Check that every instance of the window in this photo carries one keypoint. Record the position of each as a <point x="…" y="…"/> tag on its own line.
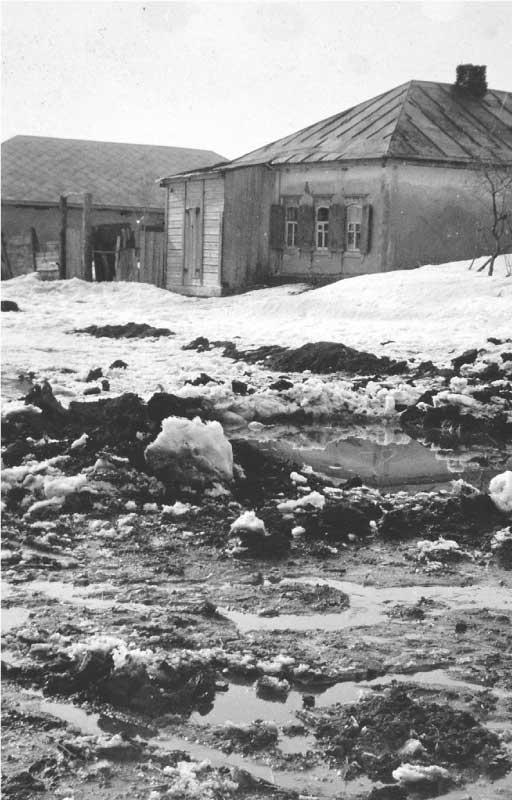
<point x="354" y="228"/>
<point x="292" y="216"/>
<point x="322" y="228"/>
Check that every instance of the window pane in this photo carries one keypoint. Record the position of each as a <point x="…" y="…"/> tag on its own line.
<point x="292" y="213"/>
<point x="322" y="214"/>
<point x="354" y="213"/>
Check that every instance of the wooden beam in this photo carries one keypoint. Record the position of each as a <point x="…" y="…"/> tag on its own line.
<point x="87" y="237"/>
<point x="63" y="208"/>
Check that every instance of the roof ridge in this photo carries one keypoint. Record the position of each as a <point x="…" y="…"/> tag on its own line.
<point x="320" y="122"/>
<point x="25" y="136"/>
<point x="400" y="115"/>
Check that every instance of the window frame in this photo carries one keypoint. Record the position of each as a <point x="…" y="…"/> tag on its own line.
<point x="353" y="228"/>
<point x="290" y="201"/>
<point x="322" y="226"/>
<point x="291" y="225"/>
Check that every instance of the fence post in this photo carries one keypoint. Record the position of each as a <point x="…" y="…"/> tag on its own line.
<point x="63" y="208"/>
<point x="87" y="238"/>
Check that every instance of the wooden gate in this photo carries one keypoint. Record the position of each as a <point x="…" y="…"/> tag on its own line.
<point x="152" y="255"/>
<point x="74" y="253"/>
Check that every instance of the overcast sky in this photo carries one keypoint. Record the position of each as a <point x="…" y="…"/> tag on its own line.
<point x="228" y="77"/>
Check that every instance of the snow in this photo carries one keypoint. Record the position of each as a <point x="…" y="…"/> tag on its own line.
<point x="501" y="538"/>
<point x="79" y="443"/>
<point x="415" y="773"/>
<point x="312" y="500"/>
<point x="440" y="547"/>
<point x="500" y="491"/>
<point x="295" y="477"/>
<point x="179" y="509"/>
<point x="433" y="312"/>
<point x="248" y="521"/>
<point x="62" y="486"/>
<point x="200" y="444"/>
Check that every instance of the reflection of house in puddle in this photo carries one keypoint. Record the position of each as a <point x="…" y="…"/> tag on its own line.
<point x="385" y="458"/>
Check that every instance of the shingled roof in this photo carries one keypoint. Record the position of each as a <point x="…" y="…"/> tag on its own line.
<point x="419" y="120"/>
<point x="39" y="169"/>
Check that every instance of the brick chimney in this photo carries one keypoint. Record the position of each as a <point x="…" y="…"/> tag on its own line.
<point x="471" y="79"/>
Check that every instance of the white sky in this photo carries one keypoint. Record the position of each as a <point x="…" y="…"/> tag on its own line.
<point x="228" y="77"/>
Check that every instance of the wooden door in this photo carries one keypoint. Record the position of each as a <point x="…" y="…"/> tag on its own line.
<point x="152" y="255"/>
<point x="193" y="240"/>
<point x="74" y="253"/>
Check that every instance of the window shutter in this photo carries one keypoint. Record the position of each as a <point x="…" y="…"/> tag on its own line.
<point x="337" y="228"/>
<point x="277" y="227"/>
<point x="306" y="221"/>
<point x="366" y="229"/>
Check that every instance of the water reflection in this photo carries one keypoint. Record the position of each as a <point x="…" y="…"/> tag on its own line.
<point x="380" y="455"/>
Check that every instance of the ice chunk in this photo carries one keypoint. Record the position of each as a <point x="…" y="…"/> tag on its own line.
<point x="193" y="450"/>
<point x="248" y="521"/>
<point x="500" y="491"/>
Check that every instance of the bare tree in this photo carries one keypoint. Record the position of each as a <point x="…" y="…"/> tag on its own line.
<point x="497" y="192"/>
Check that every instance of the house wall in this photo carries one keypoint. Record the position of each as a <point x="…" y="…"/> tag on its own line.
<point x="436" y="214"/>
<point x="211" y="190"/>
<point x="249" y="193"/>
<point x="367" y="181"/>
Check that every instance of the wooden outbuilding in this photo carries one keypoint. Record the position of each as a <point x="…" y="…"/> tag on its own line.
<point x="44" y="181"/>
<point x="395" y="182"/>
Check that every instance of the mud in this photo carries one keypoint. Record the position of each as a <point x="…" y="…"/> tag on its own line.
<point x="318" y="357"/>
<point x="131" y="330"/>
<point x="140" y="639"/>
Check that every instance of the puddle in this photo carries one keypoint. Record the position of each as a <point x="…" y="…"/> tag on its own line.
<point x="296" y="745"/>
<point x="369" y="604"/>
<point x="14" y="617"/>
<point x="85" y="721"/>
<point x="77" y="595"/>
<point x="500" y="789"/>
<point x="438" y="678"/>
<point x="381" y="456"/>
<point x="320" y="781"/>
<point x="241" y="705"/>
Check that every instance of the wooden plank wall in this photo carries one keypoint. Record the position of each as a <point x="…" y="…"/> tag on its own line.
<point x="212" y="231"/>
<point x="194" y="233"/>
<point x="175" y="231"/>
<point x="246" y="257"/>
<point x="21" y="253"/>
<point x="211" y="190"/>
<point x="152" y="257"/>
<point x="73" y="253"/>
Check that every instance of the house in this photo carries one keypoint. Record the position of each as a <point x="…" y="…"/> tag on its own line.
<point x="122" y="179"/>
<point x="394" y="182"/>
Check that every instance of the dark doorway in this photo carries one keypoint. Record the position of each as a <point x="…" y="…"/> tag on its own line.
<point x="108" y="243"/>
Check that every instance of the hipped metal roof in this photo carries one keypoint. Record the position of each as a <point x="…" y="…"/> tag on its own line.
<point x="420" y="120"/>
<point x="39" y="169"/>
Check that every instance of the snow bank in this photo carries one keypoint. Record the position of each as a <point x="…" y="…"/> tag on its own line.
<point x="500" y="491"/>
<point x="425" y="313"/>
<point x="193" y="450"/>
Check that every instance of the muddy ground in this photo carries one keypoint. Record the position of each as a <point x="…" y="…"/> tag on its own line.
<point x="149" y="651"/>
